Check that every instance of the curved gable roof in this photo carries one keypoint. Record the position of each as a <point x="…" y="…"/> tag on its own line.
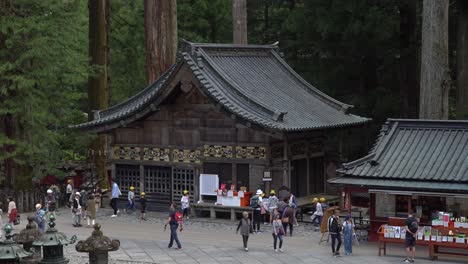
<point x="251" y="81"/>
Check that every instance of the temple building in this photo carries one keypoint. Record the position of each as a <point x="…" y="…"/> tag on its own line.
<point x="238" y="111"/>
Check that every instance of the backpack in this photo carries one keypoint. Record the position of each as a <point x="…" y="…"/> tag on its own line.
<point x="254" y="202"/>
<point x="414" y="226"/>
<point x="179" y="217"/>
<point x="335" y="227"/>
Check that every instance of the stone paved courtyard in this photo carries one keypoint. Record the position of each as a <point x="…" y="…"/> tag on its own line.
<point x="210" y="242"/>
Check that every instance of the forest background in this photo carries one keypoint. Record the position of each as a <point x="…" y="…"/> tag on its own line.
<point x="362" y="52"/>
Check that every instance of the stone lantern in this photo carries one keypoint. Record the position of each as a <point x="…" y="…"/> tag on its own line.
<point x="10" y="252"/>
<point x="27" y="236"/>
<point x="52" y="243"/>
<point x="98" y="246"/>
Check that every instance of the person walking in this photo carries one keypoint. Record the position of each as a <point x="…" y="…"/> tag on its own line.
<point x="39" y="217"/>
<point x="185" y="203"/>
<point x="411" y="226"/>
<point x="143" y="205"/>
<point x="318" y="214"/>
<point x="245" y="229"/>
<point x="256" y="202"/>
<point x="97" y="197"/>
<point x="130" y="200"/>
<point x="272" y="205"/>
<point x="348" y="231"/>
<point x="77" y="210"/>
<point x="174" y="220"/>
<point x="278" y="232"/>
<point x="51" y="201"/>
<point x="12" y="211"/>
<point x="115" y="197"/>
<point x="84" y="204"/>
<point x="287" y="218"/>
<point x="91" y="209"/>
<point x="68" y="193"/>
<point x="293" y="204"/>
<point x="335" y="228"/>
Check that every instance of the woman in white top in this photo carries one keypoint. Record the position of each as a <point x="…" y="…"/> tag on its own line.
<point x="12" y="212"/>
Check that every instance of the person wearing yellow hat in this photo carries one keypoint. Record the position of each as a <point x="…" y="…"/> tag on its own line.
<point x="131" y="200"/>
<point x="272" y="205"/>
<point x="143" y="205"/>
<point x="318" y="214"/>
<point x="185" y="202"/>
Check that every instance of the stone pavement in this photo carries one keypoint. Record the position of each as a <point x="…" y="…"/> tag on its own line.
<point x="210" y="242"/>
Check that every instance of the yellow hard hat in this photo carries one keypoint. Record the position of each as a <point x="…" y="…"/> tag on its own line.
<point x="142" y="194"/>
<point x="263" y="195"/>
<point x="315" y="200"/>
<point x="272" y="192"/>
<point x="322" y="199"/>
<point x="132" y="188"/>
<point x="185" y="191"/>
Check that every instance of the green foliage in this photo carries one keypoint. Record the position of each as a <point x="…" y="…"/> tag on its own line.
<point x="43" y="72"/>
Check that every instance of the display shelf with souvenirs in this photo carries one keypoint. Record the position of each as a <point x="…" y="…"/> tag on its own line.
<point x="232" y="197"/>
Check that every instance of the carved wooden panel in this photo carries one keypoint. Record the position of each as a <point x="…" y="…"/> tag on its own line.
<point x="217" y="151"/>
<point x="186" y="155"/>
<point x="156" y="154"/>
<point x="126" y="153"/>
<point x="243" y="152"/>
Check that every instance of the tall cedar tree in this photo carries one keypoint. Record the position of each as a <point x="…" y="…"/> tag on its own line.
<point x="435" y="78"/>
<point x="462" y="60"/>
<point x="239" y="21"/>
<point x="161" y="36"/>
<point x="43" y="69"/>
<point x="98" y="92"/>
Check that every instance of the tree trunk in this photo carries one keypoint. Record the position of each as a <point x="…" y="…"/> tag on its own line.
<point x="239" y="21"/>
<point x="462" y="60"/>
<point x="435" y="79"/>
<point x="98" y="96"/>
<point x="161" y="36"/>
<point x="409" y="59"/>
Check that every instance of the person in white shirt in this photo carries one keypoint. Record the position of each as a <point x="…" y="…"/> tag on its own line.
<point x="68" y="193"/>
<point x="185" y="202"/>
<point x="12" y="212"/>
<point x="318" y="214"/>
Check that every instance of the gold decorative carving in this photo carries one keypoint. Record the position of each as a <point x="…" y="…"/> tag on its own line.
<point x="126" y="153"/>
<point x="244" y="152"/>
<point x="186" y="155"/>
<point x="156" y="154"/>
<point x="218" y="151"/>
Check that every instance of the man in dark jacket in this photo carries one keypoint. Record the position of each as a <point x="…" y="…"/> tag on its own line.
<point x="173" y="224"/>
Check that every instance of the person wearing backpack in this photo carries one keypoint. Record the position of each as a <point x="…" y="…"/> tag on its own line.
<point x="411" y="226"/>
<point x="175" y="219"/>
<point x="245" y="228"/>
<point x="39" y="217"/>
<point x="256" y="202"/>
<point x="335" y="228"/>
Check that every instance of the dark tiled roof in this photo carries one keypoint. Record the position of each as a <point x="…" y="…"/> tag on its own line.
<point x="416" y="152"/>
<point x="250" y="81"/>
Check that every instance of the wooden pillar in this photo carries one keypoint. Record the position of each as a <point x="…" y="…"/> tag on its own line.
<point x="234" y="174"/>
<point x="286" y="179"/>
<point x="308" y="174"/>
<point x="409" y="203"/>
<point x="113" y="171"/>
<point x="142" y="178"/>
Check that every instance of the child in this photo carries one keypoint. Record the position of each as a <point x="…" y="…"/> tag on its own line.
<point x="143" y="205"/>
<point x="91" y="210"/>
<point x="131" y="200"/>
<point x="39" y="217"/>
<point x="272" y="205"/>
<point x="278" y="232"/>
<point x="246" y="229"/>
<point x="185" y="201"/>
<point x="76" y="210"/>
<point x="348" y="230"/>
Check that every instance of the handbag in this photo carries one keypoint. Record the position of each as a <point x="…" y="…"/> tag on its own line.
<point x="286" y="220"/>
